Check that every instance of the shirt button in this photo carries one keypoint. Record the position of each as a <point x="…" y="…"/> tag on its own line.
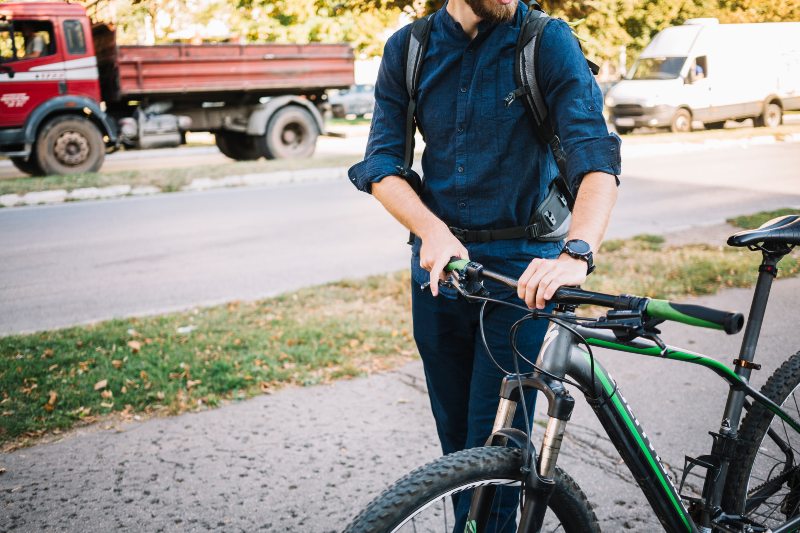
<point x="463" y="89"/>
<point x="461" y="129"/>
<point x="461" y="169"/>
<point x="462" y="205"/>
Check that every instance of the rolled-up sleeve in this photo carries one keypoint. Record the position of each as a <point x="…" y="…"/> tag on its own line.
<point x="386" y="146"/>
<point x="575" y="104"/>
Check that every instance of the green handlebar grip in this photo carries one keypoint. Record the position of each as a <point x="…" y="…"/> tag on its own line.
<point x="456" y="264"/>
<point x="696" y="315"/>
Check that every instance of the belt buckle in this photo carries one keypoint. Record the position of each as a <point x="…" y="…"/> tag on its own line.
<point x="459" y="233"/>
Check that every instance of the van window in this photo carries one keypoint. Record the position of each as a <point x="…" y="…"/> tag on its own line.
<point x="73" y="34"/>
<point x="657" y="68"/>
<point x="26" y="39"/>
<point x="699" y="69"/>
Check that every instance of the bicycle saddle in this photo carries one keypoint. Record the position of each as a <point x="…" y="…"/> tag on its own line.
<point x="782" y="230"/>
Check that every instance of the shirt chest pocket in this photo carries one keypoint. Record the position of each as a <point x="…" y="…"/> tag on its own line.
<point x="496" y="82"/>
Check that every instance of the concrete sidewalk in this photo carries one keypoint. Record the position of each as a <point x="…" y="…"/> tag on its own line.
<point x="308" y="459"/>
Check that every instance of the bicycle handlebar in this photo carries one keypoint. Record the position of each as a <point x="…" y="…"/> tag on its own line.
<point x="693" y="315"/>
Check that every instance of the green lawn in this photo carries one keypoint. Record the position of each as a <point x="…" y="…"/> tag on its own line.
<point x="171" y="363"/>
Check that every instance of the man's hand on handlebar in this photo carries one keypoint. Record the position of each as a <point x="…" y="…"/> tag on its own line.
<point x="543" y="277"/>
<point x="438" y="246"/>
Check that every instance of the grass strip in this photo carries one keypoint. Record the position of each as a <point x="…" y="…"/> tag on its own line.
<point x="166" y="179"/>
<point x="176" y="362"/>
<point x="757" y="219"/>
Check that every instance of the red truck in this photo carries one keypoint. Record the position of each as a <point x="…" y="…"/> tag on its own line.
<point x="69" y="93"/>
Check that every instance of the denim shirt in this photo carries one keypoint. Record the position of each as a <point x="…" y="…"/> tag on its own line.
<point x="484" y="166"/>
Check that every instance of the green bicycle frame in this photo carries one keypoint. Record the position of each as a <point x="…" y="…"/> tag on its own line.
<point x="617" y="418"/>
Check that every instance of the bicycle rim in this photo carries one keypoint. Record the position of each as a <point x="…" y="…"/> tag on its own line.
<point x="773" y="486"/>
<point x="436" y="515"/>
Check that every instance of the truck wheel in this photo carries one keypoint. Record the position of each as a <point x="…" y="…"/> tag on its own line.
<point x="681" y="121"/>
<point x="69" y="145"/>
<point x="772" y="117"/>
<point x="238" y="146"/>
<point x="291" y="134"/>
<point x="28" y="167"/>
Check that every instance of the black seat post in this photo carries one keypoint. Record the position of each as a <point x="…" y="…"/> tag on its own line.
<point x="767" y="272"/>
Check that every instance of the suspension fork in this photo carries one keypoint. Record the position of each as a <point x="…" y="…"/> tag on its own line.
<point x="538" y="479"/>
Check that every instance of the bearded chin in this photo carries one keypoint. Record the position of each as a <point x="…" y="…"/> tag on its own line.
<point x="493" y="12"/>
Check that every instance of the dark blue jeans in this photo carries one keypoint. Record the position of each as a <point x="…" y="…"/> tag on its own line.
<point x="463" y="382"/>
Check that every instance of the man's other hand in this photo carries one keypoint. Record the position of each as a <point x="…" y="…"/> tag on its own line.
<point x="543" y="277"/>
<point x="438" y="246"/>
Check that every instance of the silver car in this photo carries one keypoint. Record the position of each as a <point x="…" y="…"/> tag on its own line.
<point x="357" y="100"/>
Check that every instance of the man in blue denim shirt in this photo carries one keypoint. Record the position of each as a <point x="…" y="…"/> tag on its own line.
<point x="485" y="168"/>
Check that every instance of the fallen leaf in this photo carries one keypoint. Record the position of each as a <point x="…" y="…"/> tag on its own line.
<point x="47" y="353"/>
<point x="124" y="389"/>
<point x="52" y="367"/>
<point x="354" y="343"/>
<point x="102" y="384"/>
<point x="160" y="395"/>
<point x="116" y="363"/>
<point x="143" y="375"/>
<point x="51" y="401"/>
<point x="106" y="394"/>
<point x="265" y="387"/>
<point x="193" y="382"/>
<point x="2" y="470"/>
<point x="107" y="405"/>
<point x="135" y="346"/>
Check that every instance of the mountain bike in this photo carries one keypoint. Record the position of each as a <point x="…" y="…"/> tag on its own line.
<point x="751" y="480"/>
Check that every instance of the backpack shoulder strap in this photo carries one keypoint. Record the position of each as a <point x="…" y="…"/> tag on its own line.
<point x="416" y="46"/>
<point x="528" y="87"/>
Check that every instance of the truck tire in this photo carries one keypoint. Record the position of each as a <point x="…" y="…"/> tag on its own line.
<point x="772" y="117"/>
<point x="69" y="144"/>
<point x="681" y="121"/>
<point x="291" y="134"/>
<point x="238" y="146"/>
<point x="28" y="167"/>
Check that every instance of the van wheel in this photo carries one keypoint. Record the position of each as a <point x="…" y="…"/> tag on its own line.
<point x="69" y="145"/>
<point x="237" y="145"/>
<point x="623" y="131"/>
<point x="772" y="117"/>
<point x="681" y="121"/>
<point x="715" y="125"/>
<point x="291" y="134"/>
<point x="29" y="166"/>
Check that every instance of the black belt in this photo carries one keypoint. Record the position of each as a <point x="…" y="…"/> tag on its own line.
<point x="487" y="235"/>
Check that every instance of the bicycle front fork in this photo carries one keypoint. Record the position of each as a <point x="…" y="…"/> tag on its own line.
<point x="538" y="475"/>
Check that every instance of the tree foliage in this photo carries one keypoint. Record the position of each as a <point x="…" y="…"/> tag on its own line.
<point x="605" y="26"/>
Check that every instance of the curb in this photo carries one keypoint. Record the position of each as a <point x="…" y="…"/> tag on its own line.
<point x="339" y="173"/>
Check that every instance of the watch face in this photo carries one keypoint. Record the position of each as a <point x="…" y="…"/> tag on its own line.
<point x="579" y="247"/>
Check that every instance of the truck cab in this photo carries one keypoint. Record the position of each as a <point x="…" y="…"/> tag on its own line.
<point x="49" y="85"/>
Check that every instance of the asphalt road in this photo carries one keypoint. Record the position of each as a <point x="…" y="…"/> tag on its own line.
<point x="308" y="459"/>
<point x="81" y="262"/>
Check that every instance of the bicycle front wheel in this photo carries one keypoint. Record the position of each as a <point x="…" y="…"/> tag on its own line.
<point x="764" y="482"/>
<point x="421" y="501"/>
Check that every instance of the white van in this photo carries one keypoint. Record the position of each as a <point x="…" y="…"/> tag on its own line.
<point x="710" y="72"/>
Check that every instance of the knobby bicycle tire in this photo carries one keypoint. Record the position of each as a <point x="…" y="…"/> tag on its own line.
<point x="463" y="470"/>
<point x="760" y="465"/>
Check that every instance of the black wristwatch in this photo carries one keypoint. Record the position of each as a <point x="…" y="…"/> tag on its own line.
<point x="580" y="250"/>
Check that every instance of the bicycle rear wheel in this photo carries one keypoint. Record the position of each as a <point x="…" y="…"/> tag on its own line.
<point x="421" y="501"/>
<point x="764" y="482"/>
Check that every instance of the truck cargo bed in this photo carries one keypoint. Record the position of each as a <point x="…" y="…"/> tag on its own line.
<point x="208" y="71"/>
